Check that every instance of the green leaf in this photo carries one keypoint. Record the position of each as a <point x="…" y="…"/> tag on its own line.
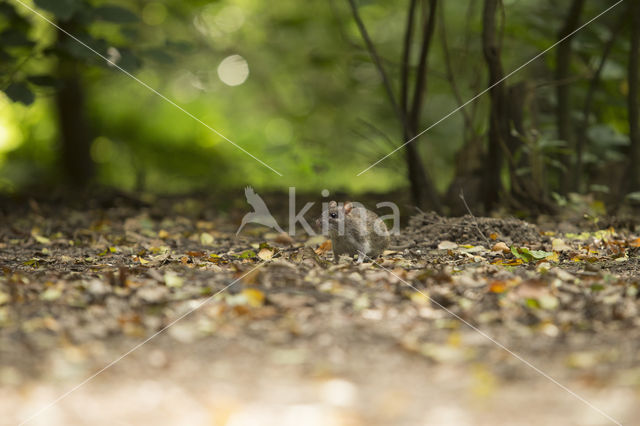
<point x="80" y="52"/>
<point x="520" y="254"/>
<point x="539" y="254"/>
<point x="7" y="10"/>
<point x="529" y="255"/>
<point x="13" y="37"/>
<point x="63" y="9"/>
<point x="128" y="60"/>
<point x="532" y="303"/>
<point x="19" y="92"/>
<point x="159" y="55"/>
<point x="247" y="254"/>
<point x="4" y="56"/>
<point x="42" y="80"/>
<point x="115" y="14"/>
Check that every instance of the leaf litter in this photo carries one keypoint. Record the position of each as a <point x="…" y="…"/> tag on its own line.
<point x="74" y="280"/>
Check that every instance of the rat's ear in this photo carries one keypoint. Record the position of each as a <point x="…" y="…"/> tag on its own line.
<point x="333" y="204"/>
<point x="348" y="207"/>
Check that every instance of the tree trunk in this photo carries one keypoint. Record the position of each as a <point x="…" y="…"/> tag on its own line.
<point x="75" y="134"/>
<point x="498" y="118"/>
<point x="594" y="82"/>
<point x="422" y="188"/>
<point x="406" y="57"/>
<point x="563" y="95"/>
<point x="633" y="100"/>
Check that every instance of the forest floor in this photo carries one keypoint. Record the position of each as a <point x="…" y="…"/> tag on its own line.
<point x="480" y="321"/>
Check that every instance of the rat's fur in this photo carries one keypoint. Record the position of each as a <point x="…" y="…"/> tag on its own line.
<point x="354" y="230"/>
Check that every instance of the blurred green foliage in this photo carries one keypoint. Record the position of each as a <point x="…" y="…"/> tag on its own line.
<point x="312" y="106"/>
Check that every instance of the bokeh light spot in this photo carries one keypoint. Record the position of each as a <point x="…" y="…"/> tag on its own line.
<point x="229" y="19"/>
<point x="154" y="13"/>
<point x="233" y="70"/>
<point x="10" y="134"/>
<point x="102" y="150"/>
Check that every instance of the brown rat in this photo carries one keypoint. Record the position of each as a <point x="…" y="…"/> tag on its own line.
<point x="353" y="229"/>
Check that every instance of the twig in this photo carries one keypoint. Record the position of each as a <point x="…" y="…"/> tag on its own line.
<point x="475" y="220"/>
<point x="586" y="110"/>
<point x="449" y="69"/>
<point x="376" y="59"/>
<point x="379" y="131"/>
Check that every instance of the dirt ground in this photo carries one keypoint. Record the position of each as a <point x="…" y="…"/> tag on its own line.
<point x="155" y="312"/>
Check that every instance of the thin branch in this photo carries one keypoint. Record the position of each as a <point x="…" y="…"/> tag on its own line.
<point x="376" y="59"/>
<point x="379" y="131"/>
<point x="449" y="69"/>
<point x="588" y="103"/>
<point x="475" y="220"/>
<point x="421" y="77"/>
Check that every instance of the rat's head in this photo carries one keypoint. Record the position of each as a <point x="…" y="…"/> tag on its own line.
<point x="332" y="219"/>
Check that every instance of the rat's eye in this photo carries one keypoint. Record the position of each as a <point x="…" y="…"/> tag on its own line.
<point x="333" y="215"/>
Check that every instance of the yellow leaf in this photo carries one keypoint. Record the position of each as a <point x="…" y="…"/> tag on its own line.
<point x="553" y="257"/>
<point x="206" y="239"/>
<point x="41" y="239"/>
<point x="255" y="298"/>
<point x="162" y="234"/>
<point x="454" y="339"/>
<point x="420" y="298"/>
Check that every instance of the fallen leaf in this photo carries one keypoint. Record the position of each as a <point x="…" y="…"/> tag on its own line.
<point x="248" y="254"/>
<point x="316" y="240"/>
<point x="421" y="298"/>
<point x="266" y="254"/>
<point x="51" y="294"/>
<point x="447" y="245"/>
<point x="529" y="255"/>
<point x="206" y="239"/>
<point x="255" y="298"/>
<point x="501" y="247"/>
<point x="196" y="253"/>
<point x="558" y="244"/>
<point x="497" y="287"/>
<point x="171" y="279"/>
<point x="324" y="248"/>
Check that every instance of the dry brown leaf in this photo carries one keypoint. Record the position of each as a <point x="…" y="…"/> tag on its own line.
<point x="266" y="253"/>
<point x="502" y="247"/>
<point x="323" y="248"/>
